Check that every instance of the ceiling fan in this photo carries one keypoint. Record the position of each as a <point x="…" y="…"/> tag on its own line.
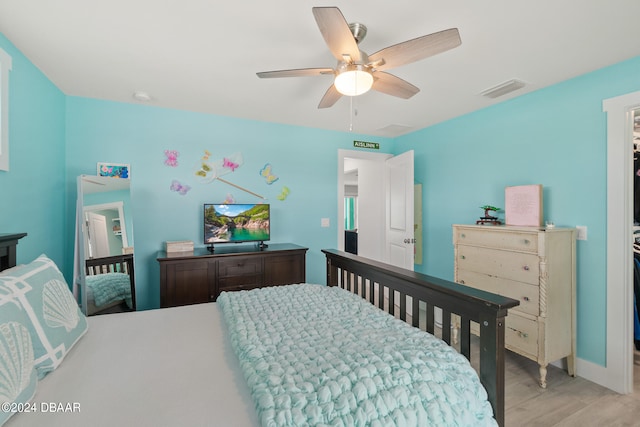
<point x="357" y="72"/>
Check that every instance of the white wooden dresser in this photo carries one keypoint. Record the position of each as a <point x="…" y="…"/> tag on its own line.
<point x="536" y="266"/>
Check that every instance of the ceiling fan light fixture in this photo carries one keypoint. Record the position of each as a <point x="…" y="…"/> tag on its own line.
<point x="354" y="80"/>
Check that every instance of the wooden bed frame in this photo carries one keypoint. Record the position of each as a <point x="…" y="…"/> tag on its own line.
<point x="114" y="264"/>
<point x="378" y="283"/>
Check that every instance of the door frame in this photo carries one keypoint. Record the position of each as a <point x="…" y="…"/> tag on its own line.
<point x="618" y="373"/>
<point x="352" y="154"/>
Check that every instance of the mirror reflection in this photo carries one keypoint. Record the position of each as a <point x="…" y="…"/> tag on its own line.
<point x="105" y="245"/>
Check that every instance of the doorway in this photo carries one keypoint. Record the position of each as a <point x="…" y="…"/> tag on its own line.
<point x="383" y="188"/>
<point x="619" y="371"/>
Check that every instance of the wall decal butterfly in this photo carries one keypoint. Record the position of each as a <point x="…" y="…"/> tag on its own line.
<point x="266" y="173"/>
<point x="228" y="164"/>
<point x="172" y="158"/>
<point x="229" y="200"/>
<point x="283" y="195"/>
<point x="181" y="189"/>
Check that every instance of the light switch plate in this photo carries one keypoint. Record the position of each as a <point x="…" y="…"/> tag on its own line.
<point x="324" y="222"/>
<point x="582" y="232"/>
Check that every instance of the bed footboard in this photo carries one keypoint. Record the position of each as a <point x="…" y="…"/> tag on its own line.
<point x="388" y="287"/>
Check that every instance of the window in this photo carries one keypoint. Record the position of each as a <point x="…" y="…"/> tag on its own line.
<point x="5" y="67"/>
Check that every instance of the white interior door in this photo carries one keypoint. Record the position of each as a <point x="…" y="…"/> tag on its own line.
<point x="375" y="174"/>
<point x="98" y="241"/>
<point x="399" y="192"/>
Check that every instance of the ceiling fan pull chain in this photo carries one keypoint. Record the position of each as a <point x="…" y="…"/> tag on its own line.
<point x="351" y="114"/>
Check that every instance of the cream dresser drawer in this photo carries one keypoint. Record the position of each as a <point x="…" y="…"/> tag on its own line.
<point x="517" y="241"/>
<point x="535" y="266"/>
<point x="526" y="293"/>
<point x="518" y="266"/>
<point x="521" y="335"/>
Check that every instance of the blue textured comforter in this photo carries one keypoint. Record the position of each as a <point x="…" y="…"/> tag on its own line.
<point x="110" y="287"/>
<point x="320" y="356"/>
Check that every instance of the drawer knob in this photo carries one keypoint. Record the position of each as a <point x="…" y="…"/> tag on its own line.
<point x="526" y="241"/>
<point x="525" y="299"/>
<point x="462" y="282"/>
<point x="526" y="268"/>
<point x="462" y="236"/>
<point x="523" y="335"/>
<point x="462" y="257"/>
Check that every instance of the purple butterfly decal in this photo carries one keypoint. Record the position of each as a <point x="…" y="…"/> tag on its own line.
<point x="179" y="188"/>
<point x="172" y="158"/>
<point x="226" y="163"/>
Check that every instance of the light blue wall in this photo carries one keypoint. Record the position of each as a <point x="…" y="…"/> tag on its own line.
<point x="555" y="137"/>
<point x="305" y="160"/>
<point x="32" y="192"/>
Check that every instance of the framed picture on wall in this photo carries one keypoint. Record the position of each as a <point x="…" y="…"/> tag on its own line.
<point x="114" y="170"/>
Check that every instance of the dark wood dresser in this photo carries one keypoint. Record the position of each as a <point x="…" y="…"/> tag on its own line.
<point x="8" y="243"/>
<point x="200" y="276"/>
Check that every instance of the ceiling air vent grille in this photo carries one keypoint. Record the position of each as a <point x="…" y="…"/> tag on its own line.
<point x="503" y="88"/>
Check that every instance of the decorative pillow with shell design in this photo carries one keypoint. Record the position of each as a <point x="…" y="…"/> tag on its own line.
<point x="18" y="378"/>
<point x="56" y="322"/>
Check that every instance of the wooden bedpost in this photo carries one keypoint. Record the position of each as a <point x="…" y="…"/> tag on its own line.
<point x="492" y="362"/>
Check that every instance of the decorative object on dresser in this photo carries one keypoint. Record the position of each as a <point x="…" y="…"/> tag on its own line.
<point x="182" y="246"/>
<point x="201" y="276"/>
<point x="523" y="205"/>
<point x="536" y="266"/>
<point x="8" y="243"/>
<point x="488" y="218"/>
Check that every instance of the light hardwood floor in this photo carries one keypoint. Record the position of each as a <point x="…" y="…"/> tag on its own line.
<point x="566" y="401"/>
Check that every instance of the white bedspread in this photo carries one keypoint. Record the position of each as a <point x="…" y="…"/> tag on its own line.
<point x="168" y="367"/>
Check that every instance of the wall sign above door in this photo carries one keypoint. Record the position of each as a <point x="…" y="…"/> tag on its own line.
<point x="365" y="144"/>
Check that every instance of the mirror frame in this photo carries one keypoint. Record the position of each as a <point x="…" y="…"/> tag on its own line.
<point x="79" y="285"/>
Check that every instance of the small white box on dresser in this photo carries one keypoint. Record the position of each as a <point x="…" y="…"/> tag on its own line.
<point x="536" y="266"/>
<point x="179" y="246"/>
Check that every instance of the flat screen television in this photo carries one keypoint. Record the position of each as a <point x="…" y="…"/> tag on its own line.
<point x="236" y="223"/>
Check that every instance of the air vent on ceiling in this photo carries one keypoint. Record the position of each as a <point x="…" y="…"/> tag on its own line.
<point x="394" y="130"/>
<point x="503" y="88"/>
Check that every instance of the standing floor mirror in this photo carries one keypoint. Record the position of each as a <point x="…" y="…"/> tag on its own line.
<point x="104" y="255"/>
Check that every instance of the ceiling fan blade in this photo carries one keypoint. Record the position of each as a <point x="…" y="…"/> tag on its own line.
<point x="415" y="49"/>
<point x="301" y="72"/>
<point x="392" y="85"/>
<point x="330" y="97"/>
<point x="336" y="33"/>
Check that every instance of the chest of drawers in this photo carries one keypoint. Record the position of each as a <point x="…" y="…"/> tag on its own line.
<point x="535" y="266"/>
<point x="201" y="276"/>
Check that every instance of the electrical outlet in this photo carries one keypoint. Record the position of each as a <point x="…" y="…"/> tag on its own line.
<point x="324" y="222"/>
<point x="582" y="232"/>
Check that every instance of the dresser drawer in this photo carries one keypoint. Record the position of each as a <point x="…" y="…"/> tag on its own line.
<point x="236" y="274"/>
<point x="521" y="334"/>
<point x="517" y="241"/>
<point x="526" y="293"/>
<point x="239" y="267"/>
<point x="517" y="266"/>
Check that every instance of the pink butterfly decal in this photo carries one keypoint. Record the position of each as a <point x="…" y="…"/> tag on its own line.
<point x="179" y="188"/>
<point x="172" y="158"/>
<point x="229" y="200"/>
<point x="226" y="163"/>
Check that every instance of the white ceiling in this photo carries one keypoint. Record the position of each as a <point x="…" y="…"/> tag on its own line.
<point x="202" y="55"/>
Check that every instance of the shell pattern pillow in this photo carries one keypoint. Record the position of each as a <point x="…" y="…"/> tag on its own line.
<point x="56" y="322"/>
